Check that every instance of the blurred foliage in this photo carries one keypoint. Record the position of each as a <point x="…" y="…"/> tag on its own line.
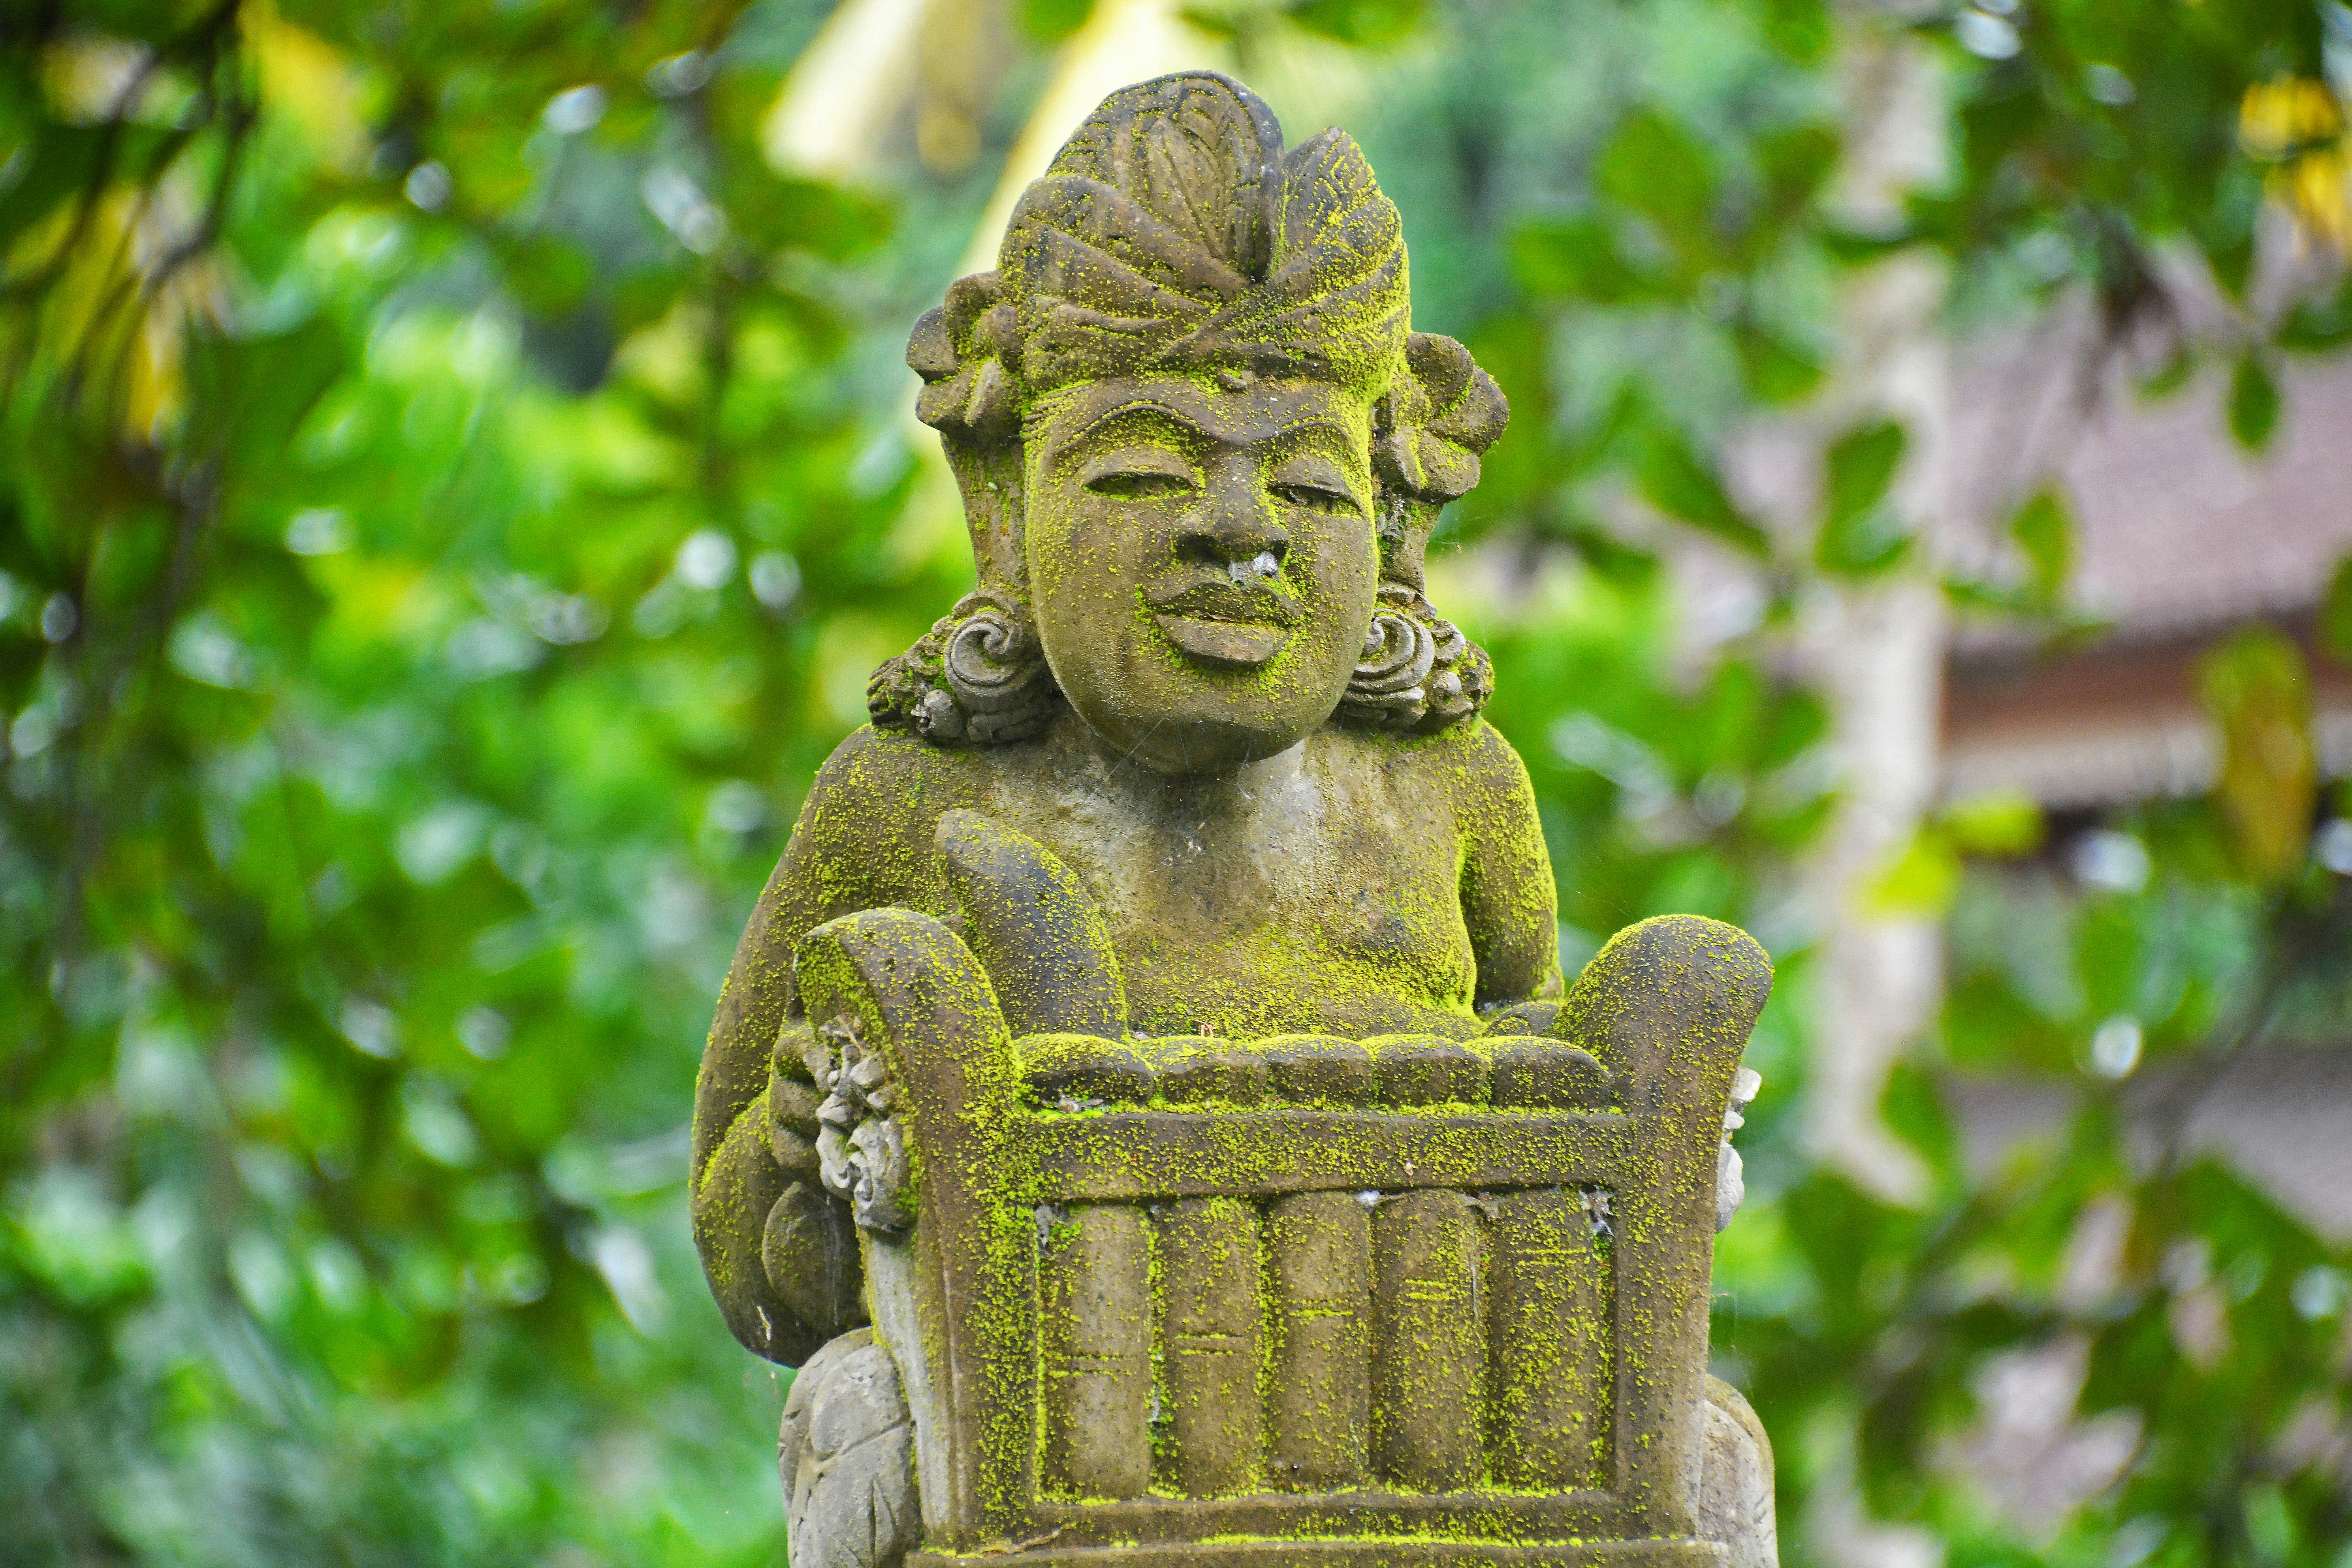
<point x="454" y="493"/>
<point x="425" y="436"/>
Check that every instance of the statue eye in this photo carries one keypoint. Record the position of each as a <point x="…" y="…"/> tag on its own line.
<point x="1137" y="485"/>
<point x="1314" y="498"/>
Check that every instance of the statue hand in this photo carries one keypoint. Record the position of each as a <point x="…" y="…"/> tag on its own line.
<point x="807" y="1248"/>
<point x="793" y="1101"/>
<point x="1034" y="929"/>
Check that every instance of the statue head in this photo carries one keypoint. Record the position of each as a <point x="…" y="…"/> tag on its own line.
<point x="1200" y="448"/>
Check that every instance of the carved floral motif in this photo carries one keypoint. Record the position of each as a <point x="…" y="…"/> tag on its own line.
<point x="861" y="1150"/>
<point x="1730" y="1181"/>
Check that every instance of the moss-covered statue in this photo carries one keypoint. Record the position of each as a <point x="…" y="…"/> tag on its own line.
<point x="1143" y="1102"/>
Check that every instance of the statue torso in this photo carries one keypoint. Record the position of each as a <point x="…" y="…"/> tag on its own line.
<point x="1318" y="891"/>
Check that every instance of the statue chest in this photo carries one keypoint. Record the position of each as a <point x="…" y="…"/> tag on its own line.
<point x="1291" y="906"/>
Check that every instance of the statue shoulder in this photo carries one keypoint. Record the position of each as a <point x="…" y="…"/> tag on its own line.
<point x="1482" y="741"/>
<point x="1467" y="763"/>
<point x="874" y="767"/>
<point x="1479" y="764"/>
<point x="883" y="786"/>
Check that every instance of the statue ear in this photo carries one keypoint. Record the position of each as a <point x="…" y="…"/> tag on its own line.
<point x="968" y="352"/>
<point x="1440" y="413"/>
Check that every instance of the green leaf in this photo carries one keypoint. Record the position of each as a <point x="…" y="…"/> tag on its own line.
<point x="2230" y="254"/>
<point x="2006" y="823"/>
<point x="1916" y="1110"/>
<point x="1577" y="258"/>
<point x="1860" y="468"/>
<point x="1775" y="371"/>
<point x="1659" y="168"/>
<point x="1366" y="23"/>
<point x="1796" y="161"/>
<point x="2170" y="377"/>
<point x="548" y="275"/>
<point x="1856" y="247"/>
<point x="247" y="394"/>
<point x="2318" y="326"/>
<point x="1051" y="21"/>
<point x="2335" y="612"/>
<point x="1918" y="882"/>
<point x="1866" y="545"/>
<point x="1523" y="470"/>
<point x="2253" y="401"/>
<point x="1220" y="22"/>
<point x="1679" y="483"/>
<point x="1975" y="593"/>
<point x="1860" y="536"/>
<point x="1798" y="29"/>
<point x="823" y="219"/>
<point x="2044" y="530"/>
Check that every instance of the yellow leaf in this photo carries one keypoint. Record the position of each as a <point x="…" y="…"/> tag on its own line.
<point x="1921" y="882"/>
<point x="2259" y="694"/>
<point x="2007" y="823"/>
<point x="152" y="389"/>
<point x="2317" y="188"/>
<point x="302" y="75"/>
<point x="2277" y="117"/>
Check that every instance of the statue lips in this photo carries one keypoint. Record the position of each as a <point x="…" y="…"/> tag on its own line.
<point x="1235" y="624"/>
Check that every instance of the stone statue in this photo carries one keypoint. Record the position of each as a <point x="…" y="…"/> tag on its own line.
<point x="1143" y="1102"/>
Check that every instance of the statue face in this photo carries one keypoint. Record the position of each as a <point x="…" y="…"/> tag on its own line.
<point x="1201" y="560"/>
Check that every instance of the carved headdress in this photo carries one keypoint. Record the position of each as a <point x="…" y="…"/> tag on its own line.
<point x="1173" y="233"/>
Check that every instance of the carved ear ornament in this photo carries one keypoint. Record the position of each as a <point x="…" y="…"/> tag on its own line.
<point x="1418" y="673"/>
<point x="979" y="677"/>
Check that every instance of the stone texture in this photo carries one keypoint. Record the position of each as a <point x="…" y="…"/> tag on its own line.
<point x="847" y="1455"/>
<point x="1734" y="1505"/>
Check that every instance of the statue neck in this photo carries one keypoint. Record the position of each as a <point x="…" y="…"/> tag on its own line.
<point x="1116" y="773"/>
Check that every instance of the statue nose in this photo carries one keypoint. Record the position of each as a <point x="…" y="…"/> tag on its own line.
<point x="1246" y="549"/>
<point x="1265" y="564"/>
<point x="1237" y="530"/>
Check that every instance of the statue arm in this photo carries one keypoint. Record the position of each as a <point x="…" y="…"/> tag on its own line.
<point x="749" y="1094"/>
<point x="736" y="1177"/>
<point x="1508" y="900"/>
